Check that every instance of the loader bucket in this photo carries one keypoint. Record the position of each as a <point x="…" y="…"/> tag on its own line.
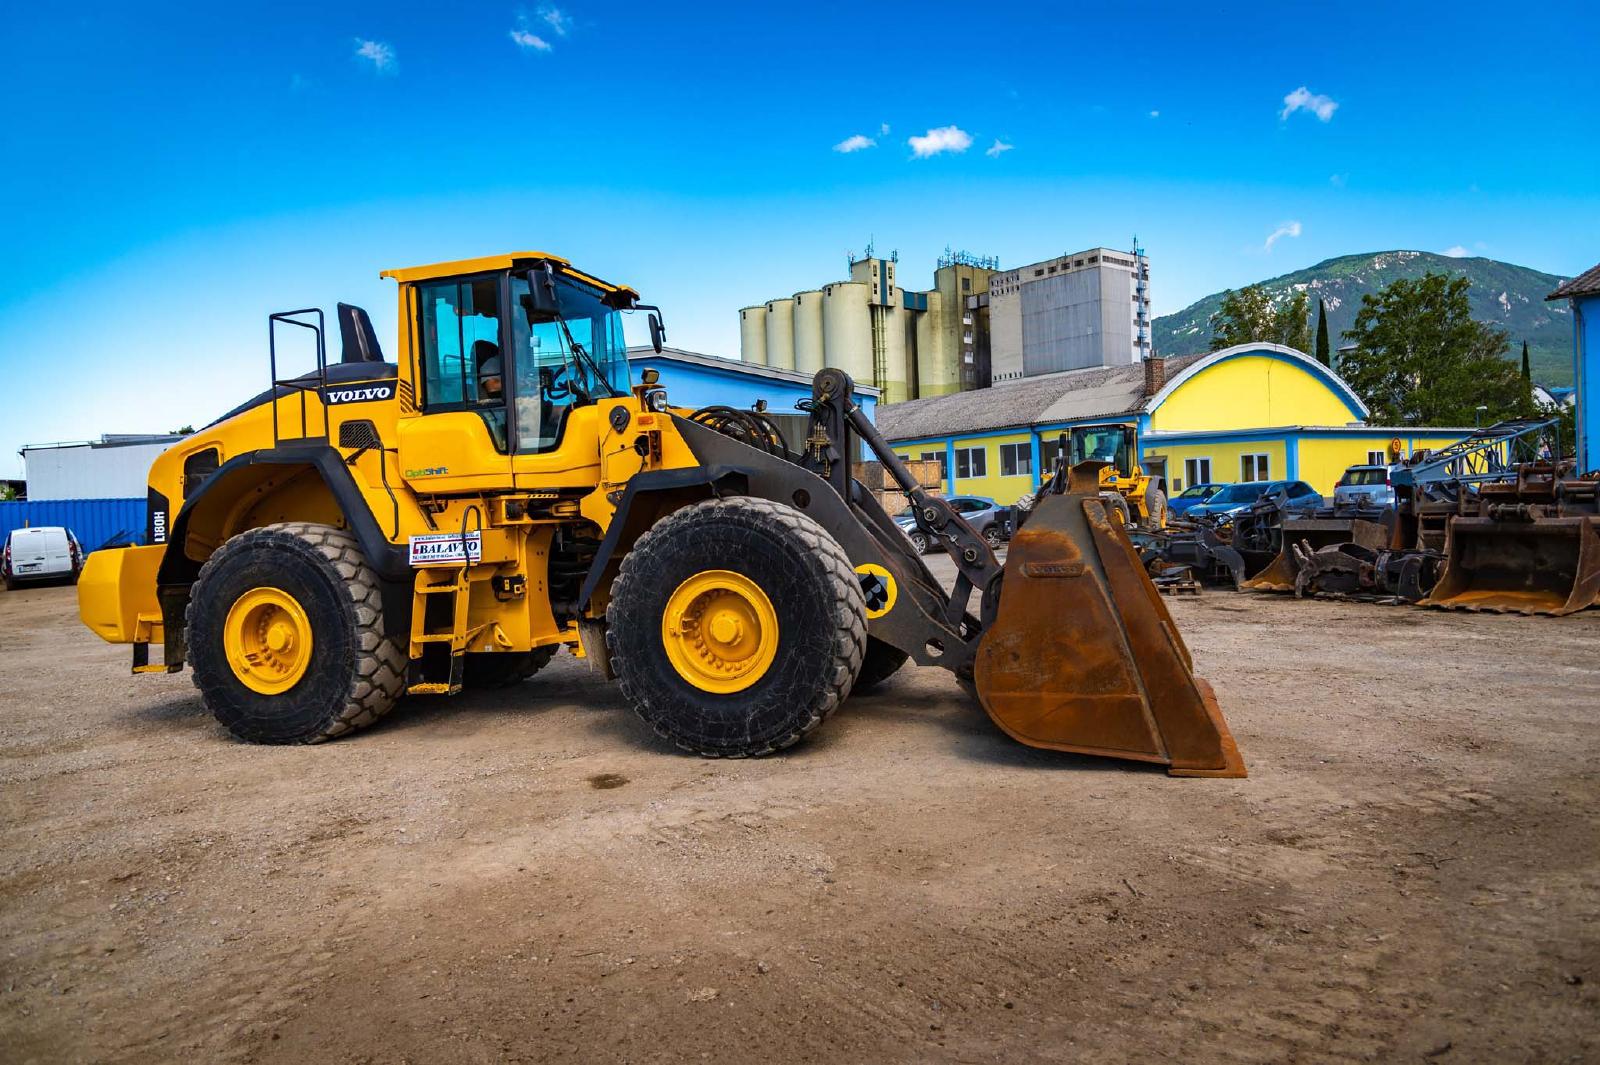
<point x="1545" y="566"/>
<point x="1279" y="574"/>
<point x="1083" y="656"/>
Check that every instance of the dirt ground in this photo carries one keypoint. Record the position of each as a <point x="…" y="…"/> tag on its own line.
<point x="1411" y="872"/>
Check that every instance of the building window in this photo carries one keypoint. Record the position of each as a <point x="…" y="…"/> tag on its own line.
<point x="972" y="462"/>
<point x="941" y="458"/>
<point x="966" y="284"/>
<point x="1377" y="458"/>
<point x="1016" y="460"/>
<point x="1197" y="471"/>
<point x="1050" y="455"/>
<point x="1254" y="468"/>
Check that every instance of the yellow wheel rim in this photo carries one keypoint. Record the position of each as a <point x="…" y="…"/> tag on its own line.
<point x="720" y="631"/>
<point x="268" y="640"/>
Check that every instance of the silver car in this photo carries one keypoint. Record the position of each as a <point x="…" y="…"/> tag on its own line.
<point x="1366" y="487"/>
<point x="981" y="512"/>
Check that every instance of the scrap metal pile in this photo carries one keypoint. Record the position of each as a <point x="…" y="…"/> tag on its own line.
<point x="1490" y="523"/>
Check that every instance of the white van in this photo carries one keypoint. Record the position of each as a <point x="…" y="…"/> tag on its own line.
<point x="46" y="553"/>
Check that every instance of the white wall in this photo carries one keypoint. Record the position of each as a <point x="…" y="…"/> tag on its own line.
<point x="90" y="471"/>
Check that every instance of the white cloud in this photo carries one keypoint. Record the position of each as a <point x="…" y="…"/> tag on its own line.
<point x="1155" y="114"/>
<point x="380" y="55"/>
<point x="883" y="130"/>
<point x="999" y="147"/>
<point x="943" y="139"/>
<point x="855" y="144"/>
<point x="1458" y="252"/>
<point x="1303" y="99"/>
<point x="1338" y="181"/>
<point x="1288" y="229"/>
<point x="559" y="21"/>
<point x="530" y="41"/>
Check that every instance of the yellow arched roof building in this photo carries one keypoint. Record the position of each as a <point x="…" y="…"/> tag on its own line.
<point x="1249" y="412"/>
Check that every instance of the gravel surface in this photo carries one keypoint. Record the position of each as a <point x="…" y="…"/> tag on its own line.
<point x="1409" y="874"/>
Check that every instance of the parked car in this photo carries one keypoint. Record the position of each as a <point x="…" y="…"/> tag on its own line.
<point x="43" y="553"/>
<point x="983" y="513"/>
<point x="1235" y="498"/>
<point x="1364" y="486"/>
<point x="1192" y="496"/>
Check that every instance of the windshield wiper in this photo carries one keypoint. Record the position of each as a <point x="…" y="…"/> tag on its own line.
<point x="583" y="353"/>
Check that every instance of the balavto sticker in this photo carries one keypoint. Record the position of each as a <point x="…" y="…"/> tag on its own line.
<point x="433" y="549"/>
<point x="878" y="588"/>
<point x="336" y="397"/>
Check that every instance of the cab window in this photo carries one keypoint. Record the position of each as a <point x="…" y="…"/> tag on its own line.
<point x="461" y="360"/>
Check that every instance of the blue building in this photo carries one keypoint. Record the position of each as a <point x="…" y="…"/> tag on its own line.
<point x="695" y="380"/>
<point x="1583" y="294"/>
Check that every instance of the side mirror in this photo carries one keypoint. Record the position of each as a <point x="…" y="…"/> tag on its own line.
<point x="658" y="334"/>
<point x="541" y="301"/>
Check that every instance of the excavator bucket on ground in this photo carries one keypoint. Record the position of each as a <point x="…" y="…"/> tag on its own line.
<point x="1083" y="655"/>
<point x="1313" y="534"/>
<point x="1536" y="566"/>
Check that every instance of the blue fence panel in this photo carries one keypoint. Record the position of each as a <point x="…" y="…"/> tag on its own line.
<point x="92" y="521"/>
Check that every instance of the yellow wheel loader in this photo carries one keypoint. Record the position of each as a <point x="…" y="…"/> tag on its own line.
<point x="372" y="530"/>
<point x="1130" y="493"/>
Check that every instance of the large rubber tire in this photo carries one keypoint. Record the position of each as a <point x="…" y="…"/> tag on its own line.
<point x="355" y="673"/>
<point x="1116" y="508"/>
<point x="821" y="614"/>
<point x="504" y="669"/>
<point x="1155" y="504"/>
<point x="881" y="662"/>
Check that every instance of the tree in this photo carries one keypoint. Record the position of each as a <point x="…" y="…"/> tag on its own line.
<point x="1324" y="355"/>
<point x="1254" y="315"/>
<point x="1421" y="359"/>
<point x="182" y="430"/>
<point x="1527" y="367"/>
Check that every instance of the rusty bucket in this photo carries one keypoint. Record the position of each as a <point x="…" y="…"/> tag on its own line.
<point x="1083" y="655"/>
<point x="1539" y="566"/>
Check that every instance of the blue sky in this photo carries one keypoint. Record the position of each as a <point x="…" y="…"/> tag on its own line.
<point x="173" y="172"/>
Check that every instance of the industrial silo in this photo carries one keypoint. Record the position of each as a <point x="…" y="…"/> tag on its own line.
<point x="808" y="345"/>
<point x="753" y="335"/>
<point x="937" y="371"/>
<point x="847" y="329"/>
<point x="892" y="322"/>
<point x="780" y="334"/>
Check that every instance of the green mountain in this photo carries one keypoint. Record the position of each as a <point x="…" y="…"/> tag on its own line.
<point x="1511" y="297"/>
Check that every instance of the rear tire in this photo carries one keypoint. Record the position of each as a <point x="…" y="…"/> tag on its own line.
<point x="919" y="542"/>
<point x="881" y="662"/>
<point x="1117" y="508"/>
<point x="353" y="673"/>
<point x="810" y="616"/>
<point x="503" y="669"/>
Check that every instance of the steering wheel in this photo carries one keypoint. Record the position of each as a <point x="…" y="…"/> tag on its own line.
<point x="553" y="384"/>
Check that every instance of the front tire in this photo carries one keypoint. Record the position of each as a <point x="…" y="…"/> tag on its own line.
<point x="286" y="636"/>
<point x="919" y="542"/>
<point x="736" y="626"/>
<point x="1155" y="502"/>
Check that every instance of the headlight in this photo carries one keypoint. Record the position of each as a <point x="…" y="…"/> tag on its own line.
<point x="656" y="400"/>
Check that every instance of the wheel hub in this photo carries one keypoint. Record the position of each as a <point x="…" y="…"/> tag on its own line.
<point x="267" y="638"/>
<point x="720" y="631"/>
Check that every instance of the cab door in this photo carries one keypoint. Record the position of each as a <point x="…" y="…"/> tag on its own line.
<point x="462" y="440"/>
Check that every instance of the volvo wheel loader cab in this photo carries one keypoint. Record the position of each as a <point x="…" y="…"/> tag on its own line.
<point x="375" y="529"/>
<point x="1131" y="494"/>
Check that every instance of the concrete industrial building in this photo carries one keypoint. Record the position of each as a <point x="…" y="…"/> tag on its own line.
<point x="1090" y="308"/>
<point x="974" y="327"/>
<point x="906" y="344"/>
